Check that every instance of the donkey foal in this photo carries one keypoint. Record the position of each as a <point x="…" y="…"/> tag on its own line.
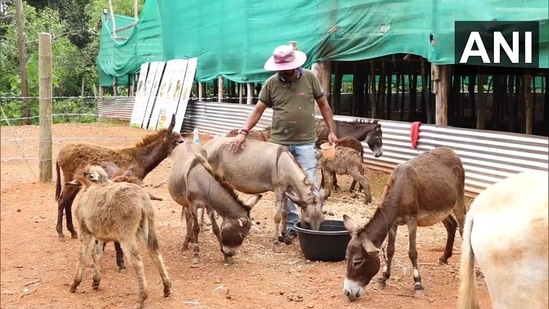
<point x="121" y="212"/>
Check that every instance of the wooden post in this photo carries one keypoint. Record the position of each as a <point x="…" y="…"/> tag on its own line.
<point x="425" y="94"/>
<point x="135" y="11"/>
<point x="45" y="89"/>
<point x="113" y="28"/>
<point x="249" y="93"/>
<point x="481" y="101"/>
<point x="219" y="89"/>
<point x="240" y="89"/>
<point x="373" y="93"/>
<point x="336" y="102"/>
<point x="440" y="74"/>
<point x="114" y="87"/>
<point x="323" y="71"/>
<point x="101" y="93"/>
<point x="528" y="106"/>
<point x="200" y="92"/>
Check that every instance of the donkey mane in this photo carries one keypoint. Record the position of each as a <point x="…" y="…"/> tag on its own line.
<point x="359" y="121"/>
<point x="151" y="138"/>
<point x="224" y="184"/>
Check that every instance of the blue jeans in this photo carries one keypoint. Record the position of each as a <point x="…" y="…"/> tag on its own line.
<point x="305" y="155"/>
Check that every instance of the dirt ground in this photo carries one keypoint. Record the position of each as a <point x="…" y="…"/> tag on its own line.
<point x="37" y="267"/>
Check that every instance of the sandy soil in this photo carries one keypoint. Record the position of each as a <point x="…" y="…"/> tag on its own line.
<point x="37" y="267"/>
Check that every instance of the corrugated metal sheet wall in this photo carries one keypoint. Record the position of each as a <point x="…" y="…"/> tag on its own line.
<point x="487" y="156"/>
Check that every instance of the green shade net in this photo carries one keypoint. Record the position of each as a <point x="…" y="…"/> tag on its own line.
<point x="121" y="57"/>
<point x="234" y="38"/>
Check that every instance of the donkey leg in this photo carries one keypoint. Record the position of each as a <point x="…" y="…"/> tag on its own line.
<point x="412" y="253"/>
<point x="64" y="204"/>
<point x="196" y="249"/>
<point x="459" y="211"/>
<point x="135" y="258"/>
<point x="82" y="256"/>
<point x="451" y="225"/>
<point x="97" y="256"/>
<point x="363" y="181"/>
<point x="328" y="182"/>
<point x="161" y="267"/>
<point x="185" y="212"/>
<point x="386" y="274"/>
<point x="119" y="257"/>
<point x="334" y="181"/>
<point x="353" y="184"/>
<point x="280" y="204"/>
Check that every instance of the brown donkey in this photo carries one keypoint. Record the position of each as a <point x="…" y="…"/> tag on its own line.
<point x="118" y="211"/>
<point x="141" y="158"/>
<point x="420" y="192"/>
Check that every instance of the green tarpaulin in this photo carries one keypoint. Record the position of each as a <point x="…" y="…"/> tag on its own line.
<point x="233" y="38"/>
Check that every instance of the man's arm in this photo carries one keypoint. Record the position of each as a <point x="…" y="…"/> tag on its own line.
<point x="326" y="112"/>
<point x="238" y="141"/>
<point x="255" y="115"/>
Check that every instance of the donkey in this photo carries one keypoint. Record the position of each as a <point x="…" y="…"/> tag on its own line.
<point x="359" y="129"/>
<point x="143" y="157"/>
<point x="420" y="192"/>
<point x="121" y="212"/>
<point x="193" y="185"/>
<point x="506" y="232"/>
<point x="347" y="161"/>
<point x="347" y="142"/>
<point x="262" y="166"/>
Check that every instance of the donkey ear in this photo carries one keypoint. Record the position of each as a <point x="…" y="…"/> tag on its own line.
<point x="172" y="124"/>
<point x="74" y="182"/>
<point x="350" y="224"/>
<point x="250" y="202"/>
<point x="295" y="199"/>
<point x="369" y="246"/>
<point x="242" y="221"/>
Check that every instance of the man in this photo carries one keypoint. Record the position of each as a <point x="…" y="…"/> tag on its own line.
<point x="291" y="93"/>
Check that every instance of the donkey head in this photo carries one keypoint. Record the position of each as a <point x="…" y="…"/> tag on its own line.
<point x="89" y="175"/>
<point x="172" y="138"/>
<point x="362" y="260"/>
<point x="311" y="208"/>
<point x="234" y="231"/>
<point x="374" y="139"/>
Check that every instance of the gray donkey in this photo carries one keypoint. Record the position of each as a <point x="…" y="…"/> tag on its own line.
<point x="262" y="166"/>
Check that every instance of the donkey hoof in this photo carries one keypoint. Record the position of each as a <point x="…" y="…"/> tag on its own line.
<point x="74" y="235"/>
<point x="442" y="261"/>
<point x="419" y="293"/>
<point x="195" y="262"/>
<point x="122" y="270"/>
<point x="229" y="260"/>
<point x="381" y="285"/>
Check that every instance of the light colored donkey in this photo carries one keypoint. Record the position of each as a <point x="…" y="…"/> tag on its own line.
<point x="193" y="185"/>
<point x="506" y="232"/>
<point x="121" y="212"/>
<point x="262" y="166"/>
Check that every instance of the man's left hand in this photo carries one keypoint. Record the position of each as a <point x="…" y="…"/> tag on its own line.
<point x="332" y="138"/>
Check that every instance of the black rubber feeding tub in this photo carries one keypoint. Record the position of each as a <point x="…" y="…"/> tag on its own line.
<point x="329" y="244"/>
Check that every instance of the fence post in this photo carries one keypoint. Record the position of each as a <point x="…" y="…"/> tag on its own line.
<point x="45" y="87"/>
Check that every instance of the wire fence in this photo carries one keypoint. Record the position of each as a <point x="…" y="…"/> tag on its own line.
<point x="64" y="109"/>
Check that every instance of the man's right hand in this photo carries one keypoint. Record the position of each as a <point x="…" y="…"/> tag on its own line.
<point x="238" y="142"/>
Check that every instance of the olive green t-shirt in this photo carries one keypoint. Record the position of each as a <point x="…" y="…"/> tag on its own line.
<point x="293" y="107"/>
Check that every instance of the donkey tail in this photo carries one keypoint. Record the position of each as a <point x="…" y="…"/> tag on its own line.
<point x="147" y="228"/>
<point x="57" y="182"/>
<point x="468" y="298"/>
